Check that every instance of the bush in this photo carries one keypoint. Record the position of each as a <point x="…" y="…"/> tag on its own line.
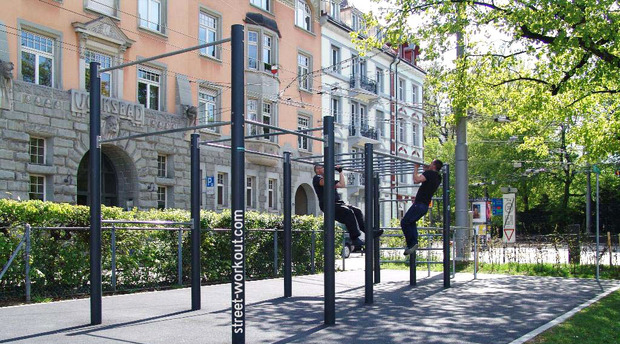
<point x="144" y="258"/>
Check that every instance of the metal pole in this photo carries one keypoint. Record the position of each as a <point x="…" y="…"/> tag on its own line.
<point x="344" y="243"/>
<point x="412" y="268"/>
<point x="588" y="202"/>
<point x="377" y="224"/>
<point x="369" y="219"/>
<point x="597" y="228"/>
<point x="313" y="252"/>
<point x="237" y="157"/>
<point x="275" y="252"/>
<point x="288" y="227"/>
<point x="95" y="195"/>
<point x="113" y="253"/>
<point x="180" y="256"/>
<point x="446" y="226"/>
<point x="461" y="187"/>
<point x="27" y="262"/>
<point x="329" y="218"/>
<point x="195" y="213"/>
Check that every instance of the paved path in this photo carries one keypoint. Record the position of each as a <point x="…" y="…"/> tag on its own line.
<point x="492" y="309"/>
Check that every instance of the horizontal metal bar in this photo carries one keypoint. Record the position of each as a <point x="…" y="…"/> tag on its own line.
<point x="274" y="133"/>
<point x="402" y="248"/>
<point x="407" y="262"/>
<point x="247" y="151"/>
<point x="395" y="157"/>
<point x="321" y="155"/>
<point x="292" y="132"/>
<point x="172" y="53"/>
<point x="149" y="222"/>
<point x="202" y="126"/>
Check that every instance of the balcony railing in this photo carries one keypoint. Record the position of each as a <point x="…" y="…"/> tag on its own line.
<point x="355" y="179"/>
<point x="363" y="82"/>
<point x="363" y="130"/>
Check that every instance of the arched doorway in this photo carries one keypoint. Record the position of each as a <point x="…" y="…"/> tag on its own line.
<point x="305" y="203"/>
<point x="301" y="202"/>
<point x="109" y="182"/>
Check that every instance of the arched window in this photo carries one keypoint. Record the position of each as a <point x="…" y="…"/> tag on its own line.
<point x="303" y="15"/>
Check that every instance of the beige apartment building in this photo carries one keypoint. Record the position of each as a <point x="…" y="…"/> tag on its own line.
<point x="45" y="50"/>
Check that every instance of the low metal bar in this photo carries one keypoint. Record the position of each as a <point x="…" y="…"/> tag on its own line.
<point x="169" y="131"/>
<point x="19" y="247"/>
<point x="27" y="262"/>
<point x="292" y="132"/>
<point x="180" y="257"/>
<point x="161" y="56"/>
<point x="146" y="222"/>
<point x="113" y="254"/>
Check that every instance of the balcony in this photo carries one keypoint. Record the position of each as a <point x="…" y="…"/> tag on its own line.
<point x="363" y="88"/>
<point x="362" y="134"/>
<point x="263" y="145"/>
<point x="355" y="184"/>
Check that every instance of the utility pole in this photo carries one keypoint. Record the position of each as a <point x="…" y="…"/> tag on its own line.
<point x="461" y="175"/>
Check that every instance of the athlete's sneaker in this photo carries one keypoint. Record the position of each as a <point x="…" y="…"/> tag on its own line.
<point x="411" y="249"/>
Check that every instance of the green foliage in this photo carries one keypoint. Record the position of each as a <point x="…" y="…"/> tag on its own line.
<point x="59" y="258"/>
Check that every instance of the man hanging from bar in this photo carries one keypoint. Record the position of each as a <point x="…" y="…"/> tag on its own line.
<point x="347" y="214"/>
<point x="430" y="180"/>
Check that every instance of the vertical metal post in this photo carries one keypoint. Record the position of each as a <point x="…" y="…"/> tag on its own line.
<point x="588" y="202"/>
<point x="412" y="268"/>
<point x="95" y="195"/>
<point x="237" y="157"/>
<point x="597" y="229"/>
<point x="329" y="218"/>
<point x="288" y="227"/>
<point x="27" y="262"/>
<point x="313" y="252"/>
<point x="180" y="256"/>
<point x="446" y="228"/>
<point x="475" y="253"/>
<point x="461" y="164"/>
<point x="369" y="219"/>
<point x="275" y="252"/>
<point x="113" y="253"/>
<point x="195" y="214"/>
<point x="377" y="225"/>
<point x="344" y="243"/>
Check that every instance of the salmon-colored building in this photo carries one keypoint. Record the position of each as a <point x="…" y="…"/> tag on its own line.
<point x="44" y="103"/>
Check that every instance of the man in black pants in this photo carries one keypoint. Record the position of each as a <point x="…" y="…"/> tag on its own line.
<point x="346" y="214"/>
<point x="430" y="180"/>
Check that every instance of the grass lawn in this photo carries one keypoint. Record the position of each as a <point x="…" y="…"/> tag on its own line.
<point x="599" y="323"/>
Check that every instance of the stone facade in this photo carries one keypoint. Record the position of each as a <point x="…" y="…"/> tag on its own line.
<point x="51" y="114"/>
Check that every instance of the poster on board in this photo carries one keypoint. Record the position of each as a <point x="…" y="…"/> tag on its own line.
<point x="479" y="210"/>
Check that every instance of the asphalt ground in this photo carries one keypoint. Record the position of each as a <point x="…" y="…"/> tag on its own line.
<point x="491" y="309"/>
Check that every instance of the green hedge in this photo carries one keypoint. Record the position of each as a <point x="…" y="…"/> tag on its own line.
<point x="144" y="258"/>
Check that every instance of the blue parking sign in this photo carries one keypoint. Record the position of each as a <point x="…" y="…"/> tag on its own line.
<point x="210" y="181"/>
<point x="497" y="206"/>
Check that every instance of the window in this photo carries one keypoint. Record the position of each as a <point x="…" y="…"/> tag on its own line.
<point x="303" y="15"/>
<point x="335" y="109"/>
<point x="380" y="121"/>
<point x="335" y="59"/>
<point x="267" y="52"/>
<point x="107" y="7"/>
<point x="105" y="61"/>
<point x="271" y="193"/>
<point x="357" y="22"/>
<point x="252" y="116"/>
<point x="37" y="188"/>
<point x="380" y="73"/>
<point x="208" y="31"/>
<point x="37" y="151"/>
<point x="253" y="49"/>
<point x="161" y="166"/>
<point x="355" y="66"/>
<point x="414" y="135"/>
<point x="403" y="178"/>
<point x="303" y="123"/>
<point x="249" y="192"/>
<point x="401" y="90"/>
<point x="401" y="131"/>
<point x="335" y="9"/>
<point x="148" y="88"/>
<point x="414" y="94"/>
<point x="267" y="118"/>
<point x="303" y="71"/>
<point x="261" y="50"/>
<point x="207" y="107"/>
<point x="222" y="189"/>
<point x="264" y="4"/>
<point x="150" y="12"/>
<point x="161" y="197"/>
<point x="37" y="58"/>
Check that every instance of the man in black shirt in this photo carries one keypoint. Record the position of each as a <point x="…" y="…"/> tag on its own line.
<point x="346" y="214"/>
<point x="430" y="180"/>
